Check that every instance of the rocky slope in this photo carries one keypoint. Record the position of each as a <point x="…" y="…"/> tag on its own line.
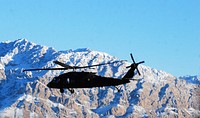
<point x="155" y="94"/>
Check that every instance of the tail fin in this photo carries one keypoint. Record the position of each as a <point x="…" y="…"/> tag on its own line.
<point x="129" y="74"/>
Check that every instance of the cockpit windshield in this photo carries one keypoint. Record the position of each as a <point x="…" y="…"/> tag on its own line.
<point x="56" y="80"/>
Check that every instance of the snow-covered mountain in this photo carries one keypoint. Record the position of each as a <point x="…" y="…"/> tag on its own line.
<point x="155" y="94"/>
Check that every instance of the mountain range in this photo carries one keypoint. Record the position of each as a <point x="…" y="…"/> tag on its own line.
<point x="25" y="94"/>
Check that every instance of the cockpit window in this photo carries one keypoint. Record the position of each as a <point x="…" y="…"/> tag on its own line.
<point x="56" y="80"/>
<point x="68" y="80"/>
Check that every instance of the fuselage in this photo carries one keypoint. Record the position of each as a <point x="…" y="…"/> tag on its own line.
<point x="84" y="80"/>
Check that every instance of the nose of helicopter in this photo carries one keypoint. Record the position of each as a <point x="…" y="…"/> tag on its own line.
<point x="49" y="85"/>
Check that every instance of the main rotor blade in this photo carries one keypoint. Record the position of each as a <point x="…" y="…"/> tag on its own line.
<point x="76" y="67"/>
<point x="68" y="67"/>
<point x="36" y="69"/>
<point x="132" y="58"/>
<point x="63" y="65"/>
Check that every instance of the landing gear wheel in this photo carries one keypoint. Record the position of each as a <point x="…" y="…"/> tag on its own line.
<point x="118" y="90"/>
<point x="61" y="90"/>
<point x="71" y="90"/>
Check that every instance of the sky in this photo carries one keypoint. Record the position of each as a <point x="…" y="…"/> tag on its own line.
<point x="163" y="33"/>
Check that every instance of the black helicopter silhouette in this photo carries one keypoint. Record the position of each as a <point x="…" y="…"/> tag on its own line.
<point x="71" y="80"/>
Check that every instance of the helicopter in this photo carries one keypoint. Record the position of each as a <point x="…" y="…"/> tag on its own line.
<point x="71" y="80"/>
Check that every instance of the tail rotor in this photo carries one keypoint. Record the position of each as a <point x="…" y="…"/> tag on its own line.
<point x="135" y="65"/>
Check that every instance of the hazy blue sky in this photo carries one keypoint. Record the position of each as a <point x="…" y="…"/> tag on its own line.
<point x="164" y="33"/>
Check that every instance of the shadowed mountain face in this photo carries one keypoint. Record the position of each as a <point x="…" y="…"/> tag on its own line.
<point x="155" y="94"/>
